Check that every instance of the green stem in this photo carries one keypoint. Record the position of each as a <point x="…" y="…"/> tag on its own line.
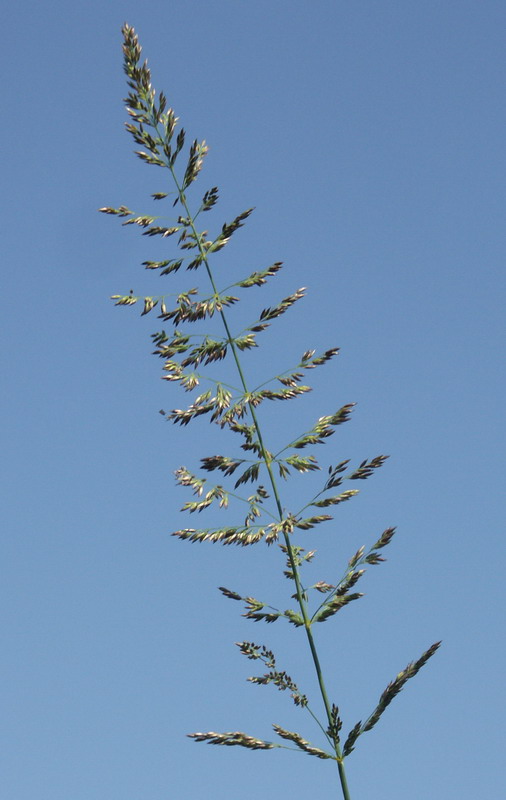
<point x="268" y="463"/>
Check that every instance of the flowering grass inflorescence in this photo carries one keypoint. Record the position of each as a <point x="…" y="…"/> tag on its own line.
<point x="153" y="125"/>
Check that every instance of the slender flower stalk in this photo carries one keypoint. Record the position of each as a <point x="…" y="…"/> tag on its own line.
<point x="267" y="462"/>
<point x="153" y="126"/>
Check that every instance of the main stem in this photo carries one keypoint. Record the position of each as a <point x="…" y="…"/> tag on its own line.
<point x="268" y="463"/>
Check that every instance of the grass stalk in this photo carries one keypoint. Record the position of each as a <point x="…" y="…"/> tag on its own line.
<point x="267" y="462"/>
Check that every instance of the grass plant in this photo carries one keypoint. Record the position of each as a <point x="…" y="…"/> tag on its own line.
<point x="190" y="359"/>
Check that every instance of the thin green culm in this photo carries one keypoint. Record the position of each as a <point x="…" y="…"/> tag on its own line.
<point x="154" y="128"/>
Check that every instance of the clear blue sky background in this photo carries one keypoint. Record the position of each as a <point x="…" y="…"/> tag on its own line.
<point x="370" y="138"/>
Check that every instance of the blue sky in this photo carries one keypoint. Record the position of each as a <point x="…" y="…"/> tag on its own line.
<point x="370" y="138"/>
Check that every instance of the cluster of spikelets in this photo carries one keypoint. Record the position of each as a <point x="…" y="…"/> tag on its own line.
<point x="333" y="731"/>
<point x="186" y="358"/>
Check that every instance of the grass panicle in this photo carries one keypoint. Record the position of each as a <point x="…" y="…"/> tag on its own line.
<point x="191" y="360"/>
